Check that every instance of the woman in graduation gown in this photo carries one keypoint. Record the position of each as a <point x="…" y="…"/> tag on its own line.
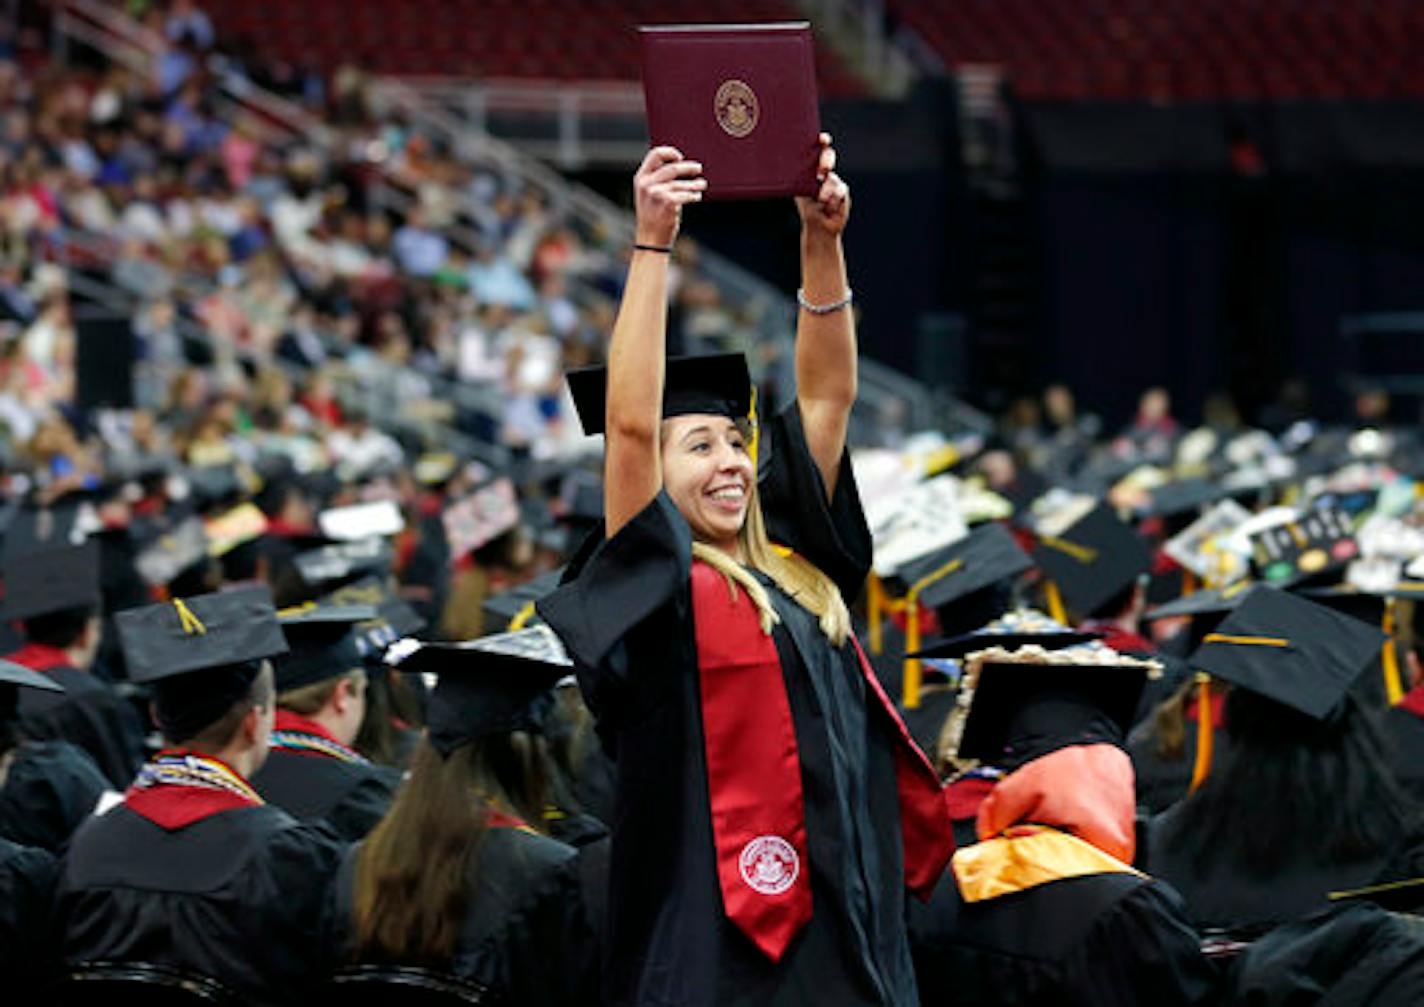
<point x="1304" y="803"/>
<point x="461" y="876"/>
<point x="770" y="807"/>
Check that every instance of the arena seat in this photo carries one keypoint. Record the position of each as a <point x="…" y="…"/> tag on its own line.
<point x="404" y="986"/>
<point x="106" y="983"/>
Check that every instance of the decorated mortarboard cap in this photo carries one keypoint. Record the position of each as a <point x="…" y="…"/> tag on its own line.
<point x="234" y="527"/>
<point x="988" y="555"/>
<point x="344" y="560"/>
<point x="435" y="468"/>
<point x="361" y="521"/>
<point x="1319" y="542"/>
<point x="1296" y="652"/>
<point x="717" y="383"/>
<point x="513" y="609"/>
<point x="1096" y="558"/>
<point x="481" y="517"/>
<point x="201" y="654"/>
<point x="1019" y="708"/>
<point x="182" y="547"/>
<point x="323" y="641"/>
<point x="55" y="580"/>
<point x="492" y="685"/>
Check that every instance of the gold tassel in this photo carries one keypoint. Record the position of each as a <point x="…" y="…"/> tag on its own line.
<point x="522" y="617"/>
<point x="1389" y="657"/>
<point x="1055" y="603"/>
<point x="913" y="678"/>
<point x="190" y="622"/>
<point x="1204" y="731"/>
<point x="874" y="606"/>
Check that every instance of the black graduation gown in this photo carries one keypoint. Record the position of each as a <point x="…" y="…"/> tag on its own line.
<point x="627" y="621"/>
<point x="1404" y="730"/>
<point x="527" y="935"/>
<point x="90" y="714"/>
<point x="240" y="896"/>
<point x="351" y="797"/>
<point x="1347" y="956"/>
<point x="50" y="789"/>
<point x="1163" y="781"/>
<point x="1222" y="893"/>
<point x="1095" y="941"/>
<point x="27" y="879"/>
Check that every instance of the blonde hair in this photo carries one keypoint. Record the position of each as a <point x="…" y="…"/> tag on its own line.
<point x="795" y="575"/>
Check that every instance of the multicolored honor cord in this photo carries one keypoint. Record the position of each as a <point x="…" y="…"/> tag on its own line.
<point x="315" y="744"/>
<point x="191" y="769"/>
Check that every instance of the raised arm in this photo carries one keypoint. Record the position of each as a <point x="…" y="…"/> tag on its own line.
<point x="825" y="342"/>
<point x="632" y="464"/>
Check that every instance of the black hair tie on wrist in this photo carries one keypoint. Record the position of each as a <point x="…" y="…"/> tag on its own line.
<point x="665" y="249"/>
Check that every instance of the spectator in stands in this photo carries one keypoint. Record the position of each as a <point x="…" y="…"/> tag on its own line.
<point x="419" y="250"/>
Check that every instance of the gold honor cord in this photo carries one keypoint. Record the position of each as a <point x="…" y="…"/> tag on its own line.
<point x="910" y="693"/>
<point x="1082" y="553"/>
<point x="191" y="623"/>
<point x="1246" y="641"/>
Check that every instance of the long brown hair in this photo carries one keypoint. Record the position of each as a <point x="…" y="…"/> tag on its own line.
<point x="413" y="871"/>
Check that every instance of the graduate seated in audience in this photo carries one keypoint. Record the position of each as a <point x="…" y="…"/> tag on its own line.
<point x="1404" y="722"/>
<point x="313" y="772"/>
<point x="193" y="870"/>
<point x="47" y="788"/>
<point x="54" y="594"/>
<point x="1304" y="802"/>
<point x="461" y="876"/>
<point x="1046" y="908"/>
<point x="27" y="873"/>
<point x="1172" y="745"/>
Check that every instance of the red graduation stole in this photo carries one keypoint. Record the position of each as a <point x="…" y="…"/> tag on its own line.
<point x="1413" y="701"/>
<point x="754" y="774"/>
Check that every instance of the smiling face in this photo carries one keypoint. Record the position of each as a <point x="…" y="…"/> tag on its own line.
<point x="708" y="474"/>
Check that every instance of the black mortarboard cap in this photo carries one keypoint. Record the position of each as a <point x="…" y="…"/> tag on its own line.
<point x="180" y="548"/>
<point x="1296" y="652"/>
<point x="40" y="529"/>
<point x="1095" y="559"/>
<point x="322" y="642"/>
<point x="491" y="685"/>
<point x="1021" y="711"/>
<point x="1183" y="496"/>
<point x="1207" y="601"/>
<point x="958" y="646"/>
<point x="986" y="556"/>
<point x="717" y="383"/>
<point x="217" y="484"/>
<point x="502" y="609"/>
<point x="397" y="615"/>
<point x="201" y="653"/>
<point x="55" y="580"/>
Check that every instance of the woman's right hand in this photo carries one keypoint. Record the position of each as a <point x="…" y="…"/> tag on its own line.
<point x="663" y="183"/>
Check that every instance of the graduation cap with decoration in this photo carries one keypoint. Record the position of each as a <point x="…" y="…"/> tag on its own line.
<point x="492" y="685"/>
<point x="718" y="384"/>
<point x="1018" y="705"/>
<point x="1094" y="560"/>
<point x="201" y="654"/>
<point x="172" y="553"/>
<point x="57" y="580"/>
<point x="342" y="561"/>
<point x="481" y="517"/>
<point x="355" y="522"/>
<point x="1318" y="543"/>
<point x="323" y="642"/>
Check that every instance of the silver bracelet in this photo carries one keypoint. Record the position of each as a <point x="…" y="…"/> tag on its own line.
<point x="825" y="309"/>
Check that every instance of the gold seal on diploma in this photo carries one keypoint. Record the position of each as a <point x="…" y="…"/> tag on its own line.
<point x="736" y="108"/>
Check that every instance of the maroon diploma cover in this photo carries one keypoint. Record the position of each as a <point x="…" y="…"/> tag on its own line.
<point x="739" y="98"/>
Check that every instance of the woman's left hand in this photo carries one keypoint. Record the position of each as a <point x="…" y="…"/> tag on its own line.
<point x="828" y="212"/>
